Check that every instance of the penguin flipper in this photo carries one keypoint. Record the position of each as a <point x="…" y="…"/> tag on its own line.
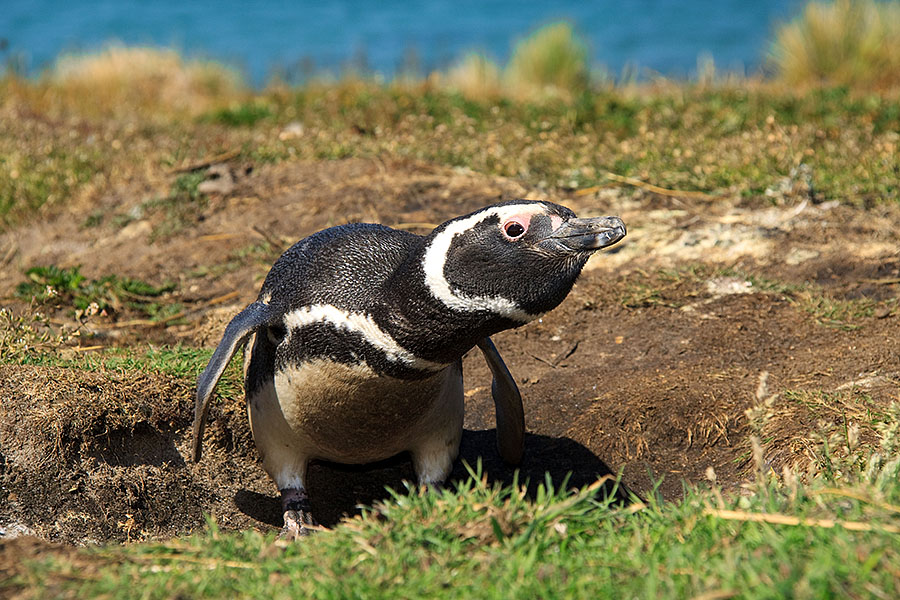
<point x="236" y="333"/>
<point x="507" y="404"/>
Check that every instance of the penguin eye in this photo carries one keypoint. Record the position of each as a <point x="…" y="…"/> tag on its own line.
<point x="513" y="230"/>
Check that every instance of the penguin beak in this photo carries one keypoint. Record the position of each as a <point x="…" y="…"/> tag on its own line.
<point x="588" y="235"/>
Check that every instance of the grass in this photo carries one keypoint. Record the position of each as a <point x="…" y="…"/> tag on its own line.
<point x="122" y="78"/>
<point x="55" y="286"/>
<point x="853" y="43"/>
<point x="840" y="313"/>
<point x="181" y="207"/>
<point x="844" y="423"/>
<point x="832" y="312"/>
<point x="826" y="529"/>
<point x="33" y="340"/>
<point x="780" y="538"/>
<point x="727" y="141"/>
<point x="241" y="115"/>
<point x="24" y="336"/>
<point x="670" y="288"/>
<point x="32" y="178"/>
<point x="180" y="362"/>
<point x="177" y="361"/>
<point x="475" y="76"/>
<point x="552" y="61"/>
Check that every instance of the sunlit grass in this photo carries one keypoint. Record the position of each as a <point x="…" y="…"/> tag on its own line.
<point x="829" y="532"/>
<point x="34" y="340"/>
<point x="846" y="42"/>
<point x="143" y="77"/>
<point x="131" y="113"/>
<point x="552" y="61"/>
<point x="716" y="139"/>
<point x="475" y="76"/>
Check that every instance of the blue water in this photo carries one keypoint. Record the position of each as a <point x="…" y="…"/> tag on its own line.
<point x="297" y="38"/>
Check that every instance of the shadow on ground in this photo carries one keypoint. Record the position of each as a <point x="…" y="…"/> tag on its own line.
<point x="338" y="490"/>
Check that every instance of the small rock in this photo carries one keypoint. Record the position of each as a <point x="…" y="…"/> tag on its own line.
<point x="291" y="131"/>
<point x="13" y="530"/>
<point x="135" y="229"/>
<point x="800" y="255"/>
<point x="220" y="180"/>
<point x="726" y="286"/>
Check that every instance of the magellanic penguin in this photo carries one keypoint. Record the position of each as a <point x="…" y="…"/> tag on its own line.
<point x="354" y="346"/>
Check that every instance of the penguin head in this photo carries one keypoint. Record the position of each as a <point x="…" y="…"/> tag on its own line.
<point x="515" y="260"/>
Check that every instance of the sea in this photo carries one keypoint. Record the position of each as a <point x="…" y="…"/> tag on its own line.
<point x="300" y="39"/>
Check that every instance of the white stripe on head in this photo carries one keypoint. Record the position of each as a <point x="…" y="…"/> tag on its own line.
<point x="363" y="325"/>
<point x="436" y="258"/>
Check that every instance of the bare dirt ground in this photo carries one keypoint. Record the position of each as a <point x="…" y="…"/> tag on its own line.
<point x="648" y="367"/>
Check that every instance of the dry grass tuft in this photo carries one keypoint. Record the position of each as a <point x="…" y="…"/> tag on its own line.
<point x="854" y="43"/>
<point x="475" y="76"/>
<point x="52" y="415"/>
<point x="852" y="413"/>
<point x="144" y="77"/>
<point x="24" y="336"/>
<point x="552" y="61"/>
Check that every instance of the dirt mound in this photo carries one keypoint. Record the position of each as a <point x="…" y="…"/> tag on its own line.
<point x="89" y="456"/>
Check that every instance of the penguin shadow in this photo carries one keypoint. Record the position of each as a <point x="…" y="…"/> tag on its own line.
<point x="337" y="491"/>
<point x="560" y="460"/>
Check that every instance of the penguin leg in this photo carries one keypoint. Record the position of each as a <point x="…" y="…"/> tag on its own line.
<point x="284" y="461"/>
<point x="507" y="405"/>
<point x="438" y="446"/>
<point x="298" y="519"/>
<point x="433" y="465"/>
<point x="295" y="505"/>
<point x="284" y="457"/>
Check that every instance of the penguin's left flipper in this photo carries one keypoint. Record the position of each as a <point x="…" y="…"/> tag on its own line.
<point x="507" y="404"/>
<point x="238" y="330"/>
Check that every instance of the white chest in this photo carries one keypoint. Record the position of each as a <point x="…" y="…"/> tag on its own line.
<point x="349" y="414"/>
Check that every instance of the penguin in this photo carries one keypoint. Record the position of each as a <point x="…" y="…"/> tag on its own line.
<point x="353" y="349"/>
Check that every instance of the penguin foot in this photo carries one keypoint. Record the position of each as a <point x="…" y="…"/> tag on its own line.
<point x="433" y="486"/>
<point x="298" y="519"/>
<point x="295" y="526"/>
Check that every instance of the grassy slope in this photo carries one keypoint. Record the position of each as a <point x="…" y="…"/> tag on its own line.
<point x="59" y="150"/>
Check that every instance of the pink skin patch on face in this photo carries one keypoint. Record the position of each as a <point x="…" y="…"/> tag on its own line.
<point x="509" y="228"/>
<point x="524" y="219"/>
<point x="555" y="222"/>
